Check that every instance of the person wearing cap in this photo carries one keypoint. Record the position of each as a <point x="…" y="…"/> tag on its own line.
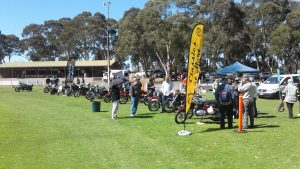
<point x="135" y="91"/>
<point x="290" y="91"/>
<point x="249" y="90"/>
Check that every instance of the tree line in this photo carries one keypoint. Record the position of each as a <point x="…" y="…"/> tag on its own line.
<point x="260" y="33"/>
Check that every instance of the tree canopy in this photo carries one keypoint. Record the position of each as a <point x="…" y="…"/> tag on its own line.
<point x="262" y="34"/>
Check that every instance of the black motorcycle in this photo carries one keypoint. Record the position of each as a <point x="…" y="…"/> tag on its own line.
<point x="22" y="86"/>
<point x="200" y="107"/>
<point x="96" y="92"/>
<point x="172" y="103"/>
<point x="80" y="90"/>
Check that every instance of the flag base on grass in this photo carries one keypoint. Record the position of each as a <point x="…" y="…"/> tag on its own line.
<point x="184" y="133"/>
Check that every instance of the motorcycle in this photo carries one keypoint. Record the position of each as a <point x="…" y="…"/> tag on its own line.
<point x="98" y="92"/>
<point x="200" y="107"/>
<point x="123" y="97"/>
<point x="172" y="103"/>
<point x="155" y="101"/>
<point x="80" y="90"/>
<point x="22" y="86"/>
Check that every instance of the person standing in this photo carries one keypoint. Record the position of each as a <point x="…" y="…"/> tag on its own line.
<point x="150" y="87"/>
<point x="235" y="97"/>
<point x="224" y="95"/>
<point x="135" y="93"/>
<point x="290" y="91"/>
<point x="166" y="89"/>
<point x="249" y="90"/>
<point x="115" y="94"/>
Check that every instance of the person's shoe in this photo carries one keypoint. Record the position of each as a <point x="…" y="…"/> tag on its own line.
<point x="132" y="115"/>
<point x="114" y="117"/>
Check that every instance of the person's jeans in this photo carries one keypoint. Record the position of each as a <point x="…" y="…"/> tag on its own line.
<point x="134" y="104"/>
<point x="290" y="109"/>
<point x="248" y="110"/>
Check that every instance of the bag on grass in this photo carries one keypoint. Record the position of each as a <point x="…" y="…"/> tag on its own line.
<point x="281" y="107"/>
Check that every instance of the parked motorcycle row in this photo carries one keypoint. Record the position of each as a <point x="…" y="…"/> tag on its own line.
<point x="175" y="102"/>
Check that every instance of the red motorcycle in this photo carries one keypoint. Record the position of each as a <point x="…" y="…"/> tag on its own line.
<point x="123" y="97"/>
<point x="200" y="107"/>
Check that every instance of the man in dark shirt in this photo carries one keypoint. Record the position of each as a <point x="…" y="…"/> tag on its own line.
<point x="135" y="93"/>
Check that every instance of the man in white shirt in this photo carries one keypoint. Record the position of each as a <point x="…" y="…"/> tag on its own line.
<point x="166" y="89"/>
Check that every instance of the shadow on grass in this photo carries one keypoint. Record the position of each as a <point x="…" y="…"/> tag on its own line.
<point x="266" y="117"/>
<point x="137" y="117"/>
<point x="104" y="111"/>
<point x="260" y="126"/>
<point x="265" y="126"/>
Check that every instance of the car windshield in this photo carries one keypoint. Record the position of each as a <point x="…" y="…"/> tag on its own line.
<point x="272" y="80"/>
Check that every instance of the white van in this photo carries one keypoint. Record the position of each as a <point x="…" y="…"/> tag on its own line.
<point x="120" y="73"/>
<point x="270" y="88"/>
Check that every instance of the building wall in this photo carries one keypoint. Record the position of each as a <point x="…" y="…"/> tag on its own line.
<point x="55" y="71"/>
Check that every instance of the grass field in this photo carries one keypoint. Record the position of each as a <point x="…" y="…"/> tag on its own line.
<point x="40" y="131"/>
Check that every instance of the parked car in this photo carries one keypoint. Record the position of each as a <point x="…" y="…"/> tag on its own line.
<point x="265" y="75"/>
<point x="158" y="73"/>
<point x="271" y="87"/>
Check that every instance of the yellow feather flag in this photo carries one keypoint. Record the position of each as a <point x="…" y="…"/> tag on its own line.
<point x="194" y="64"/>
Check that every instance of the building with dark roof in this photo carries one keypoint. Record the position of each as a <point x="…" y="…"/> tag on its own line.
<point x="42" y="69"/>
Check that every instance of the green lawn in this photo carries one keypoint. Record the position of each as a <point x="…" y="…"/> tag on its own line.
<point x="40" y="131"/>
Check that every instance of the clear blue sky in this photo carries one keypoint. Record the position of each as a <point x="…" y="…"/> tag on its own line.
<point x="16" y="14"/>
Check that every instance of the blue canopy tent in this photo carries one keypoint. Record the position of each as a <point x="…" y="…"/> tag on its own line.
<point x="236" y="67"/>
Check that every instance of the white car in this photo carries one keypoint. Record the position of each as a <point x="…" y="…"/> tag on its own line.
<point x="271" y="87"/>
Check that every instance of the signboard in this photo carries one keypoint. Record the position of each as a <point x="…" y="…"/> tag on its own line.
<point x="70" y="71"/>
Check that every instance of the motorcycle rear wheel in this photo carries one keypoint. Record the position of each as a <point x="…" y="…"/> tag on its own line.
<point x="46" y="90"/>
<point x="106" y="99"/>
<point x="123" y="100"/>
<point x="89" y="95"/>
<point x="190" y="114"/>
<point x="180" y="117"/>
<point x="17" y="89"/>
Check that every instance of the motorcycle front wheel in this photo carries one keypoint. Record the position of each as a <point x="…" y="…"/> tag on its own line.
<point x="153" y="105"/>
<point x="146" y="100"/>
<point x="180" y="117"/>
<point x="77" y="94"/>
<point x="168" y="106"/>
